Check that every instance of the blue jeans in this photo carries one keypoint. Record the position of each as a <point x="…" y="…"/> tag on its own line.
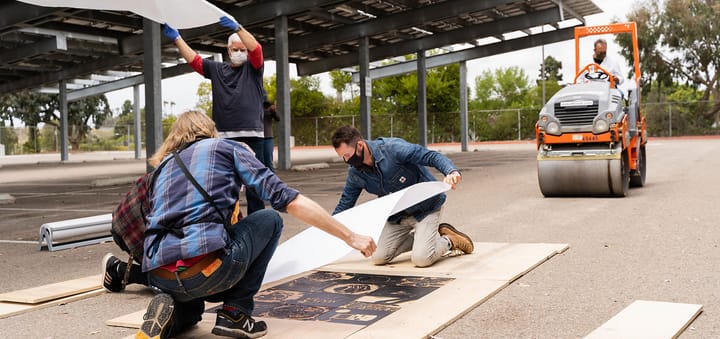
<point x="268" y="153"/>
<point x="238" y="278"/>
<point x="254" y="202"/>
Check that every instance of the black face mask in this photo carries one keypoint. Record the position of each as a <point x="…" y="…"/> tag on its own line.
<point x="599" y="58"/>
<point x="356" y="160"/>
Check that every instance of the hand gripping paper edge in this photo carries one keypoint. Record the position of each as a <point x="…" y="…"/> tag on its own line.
<point x="313" y="247"/>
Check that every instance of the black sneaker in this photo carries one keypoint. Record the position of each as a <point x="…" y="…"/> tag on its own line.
<point x="112" y="279"/>
<point x="157" y="318"/>
<point x="240" y="326"/>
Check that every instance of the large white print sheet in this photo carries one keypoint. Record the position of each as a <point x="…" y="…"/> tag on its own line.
<point x="313" y="247"/>
<point x="178" y="13"/>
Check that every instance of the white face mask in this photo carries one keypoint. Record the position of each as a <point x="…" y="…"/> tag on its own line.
<point x="238" y="58"/>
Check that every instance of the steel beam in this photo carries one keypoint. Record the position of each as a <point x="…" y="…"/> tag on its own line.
<point x="415" y="17"/>
<point x="167" y="72"/>
<point x="365" y="90"/>
<point x="153" y="88"/>
<point x="435" y="41"/>
<point x="42" y="46"/>
<point x="422" y="98"/>
<point x="474" y="53"/>
<point x="463" y="107"/>
<point x="283" y="93"/>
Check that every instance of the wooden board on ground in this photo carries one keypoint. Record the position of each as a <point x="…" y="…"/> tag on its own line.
<point x="451" y="287"/>
<point x="648" y="319"/>
<point x="36" y="295"/>
<point x="8" y="309"/>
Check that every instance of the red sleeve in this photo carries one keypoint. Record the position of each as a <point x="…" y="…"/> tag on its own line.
<point x="256" y="57"/>
<point x="196" y="64"/>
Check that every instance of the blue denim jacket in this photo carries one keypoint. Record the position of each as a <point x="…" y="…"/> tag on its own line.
<point x="398" y="164"/>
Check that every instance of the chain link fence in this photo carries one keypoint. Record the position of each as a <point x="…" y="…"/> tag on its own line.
<point x="664" y="119"/>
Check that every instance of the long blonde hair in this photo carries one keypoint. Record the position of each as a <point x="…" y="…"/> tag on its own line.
<point x="187" y="128"/>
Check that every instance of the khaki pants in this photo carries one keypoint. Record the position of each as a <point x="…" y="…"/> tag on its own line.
<point x="421" y="237"/>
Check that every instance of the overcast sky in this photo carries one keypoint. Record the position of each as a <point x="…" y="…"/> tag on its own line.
<point x="182" y="89"/>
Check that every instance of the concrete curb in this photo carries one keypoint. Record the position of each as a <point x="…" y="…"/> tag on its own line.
<point x="6" y="198"/>
<point x="310" y="167"/>
<point x="113" y="181"/>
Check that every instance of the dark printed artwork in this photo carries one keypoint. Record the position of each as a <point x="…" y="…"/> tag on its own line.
<point x="351" y="298"/>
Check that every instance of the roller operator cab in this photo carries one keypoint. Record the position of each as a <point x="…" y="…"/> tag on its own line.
<point x="590" y="136"/>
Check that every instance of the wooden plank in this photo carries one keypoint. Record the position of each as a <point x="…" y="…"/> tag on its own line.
<point x="421" y="318"/>
<point x="40" y="294"/>
<point x="132" y="320"/>
<point x="8" y="309"/>
<point x="277" y="329"/>
<point x="477" y="277"/>
<point x="648" y="319"/>
<point x="495" y="261"/>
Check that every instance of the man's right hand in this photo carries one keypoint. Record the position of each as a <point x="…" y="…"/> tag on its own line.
<point x="170" y="32"/>
<point x="363" y="243"/>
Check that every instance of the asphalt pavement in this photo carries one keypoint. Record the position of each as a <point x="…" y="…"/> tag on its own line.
<point x="659" y="243"/>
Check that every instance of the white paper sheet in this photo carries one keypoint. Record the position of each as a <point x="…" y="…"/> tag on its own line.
<point x="179" y="14"/>
<point x="313" y="247"/>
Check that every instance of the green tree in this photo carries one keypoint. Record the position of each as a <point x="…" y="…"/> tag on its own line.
<point x="33" y="108"/>
<point x="656" y="72"/>
<point x="204" y="93"/>
<point x="306" y="98"/>
<point x="689" y="30"/>
<point x="271" y="88"/>
<point x="340" y="81"/>
<point x="395" y="104"/>
<point x="500" y="96"/>
<point x="553" y="70"/>
<point x="125" y="123"/>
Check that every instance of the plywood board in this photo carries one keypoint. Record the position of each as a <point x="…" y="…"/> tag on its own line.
<point x="277" y="329"/>
<point x="36" y="295"/>
<point x="469" y="280"/>
<point x="648" y="319"/>
<point x="496" y="261"/>
<point x="8" y="309"/>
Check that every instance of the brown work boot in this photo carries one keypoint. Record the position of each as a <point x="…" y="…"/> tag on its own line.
<point x="458" y="240"/>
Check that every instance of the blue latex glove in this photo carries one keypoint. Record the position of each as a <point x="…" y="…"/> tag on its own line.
<point x="229" y="23"/>
<point x="170" y="32"/>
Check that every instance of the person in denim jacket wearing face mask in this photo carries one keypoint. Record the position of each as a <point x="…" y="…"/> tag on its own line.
<point x="387" y="165"/>
<point x="237" y="90"/>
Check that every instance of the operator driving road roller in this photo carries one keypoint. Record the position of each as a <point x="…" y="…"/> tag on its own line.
<point x="590" y="139"/>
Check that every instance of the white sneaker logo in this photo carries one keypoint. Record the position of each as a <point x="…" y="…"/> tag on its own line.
<point x="248" y="325"/>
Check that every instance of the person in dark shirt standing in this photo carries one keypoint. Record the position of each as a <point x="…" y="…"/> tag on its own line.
<point x="268" y="145"/>
<point x="237" y="90"/>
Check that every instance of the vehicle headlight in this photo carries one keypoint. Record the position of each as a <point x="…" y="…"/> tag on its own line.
<point x="553" y="128"/>
<point x="600" y="126"/>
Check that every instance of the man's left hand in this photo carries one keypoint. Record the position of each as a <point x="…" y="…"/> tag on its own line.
<point x="453" y="179"/>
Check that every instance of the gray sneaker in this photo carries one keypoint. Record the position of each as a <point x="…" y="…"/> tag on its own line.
<point x="158" y="318"/>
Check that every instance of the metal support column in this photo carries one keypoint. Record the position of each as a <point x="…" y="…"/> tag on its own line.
<point x="153" y="87"/>
<point x="137" y="121"/>
<point x="422" y="99"/>
<point x="63" y="120"/>
<point x="365" y="87"/>
<point x="463" y="107"/>
<point x="282" y="69"/>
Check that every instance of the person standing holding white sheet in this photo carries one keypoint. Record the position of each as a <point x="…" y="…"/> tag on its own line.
<point x="237" y="90"/>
